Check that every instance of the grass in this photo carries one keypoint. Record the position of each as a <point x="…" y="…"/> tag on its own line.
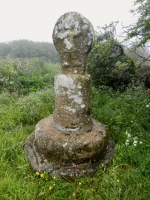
<point x="126" y="178"/>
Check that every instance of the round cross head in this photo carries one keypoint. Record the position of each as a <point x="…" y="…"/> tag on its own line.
<point x="73" y="37"/>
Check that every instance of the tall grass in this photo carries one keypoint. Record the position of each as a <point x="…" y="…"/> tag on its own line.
<point x="127" y="177"/>
<point x="25" y="110"/>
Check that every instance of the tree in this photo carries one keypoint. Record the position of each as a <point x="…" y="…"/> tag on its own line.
<point x="107" y="62"/>
<point x="140" y="55"/>
<point x="141" y="32"/>
<point x="141" y="29"/>
<point x="29" y="49"/>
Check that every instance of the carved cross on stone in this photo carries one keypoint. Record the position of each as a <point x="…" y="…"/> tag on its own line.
<point x="69" y="142"/>
<point x="73" y="37"/>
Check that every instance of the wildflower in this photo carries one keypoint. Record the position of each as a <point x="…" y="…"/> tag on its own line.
<point x="147" y="106"/>
<point x="135" y="143"/>
<point x="50" y="188"/>
<point x="53" y="184"/>
<point x="126" y="132"/>
<point x="117" y="181"/>
<point x="41" y="175"/>
<point x="74" y="194"/>
<point x="37" y="173"/>
<point x="131" y="121"/>
<point x="79" y="183"/>
<point x="140" y="142"/>
<point x="129" y="135"/>
<point x="127" y="142"/>
<point x="54" y="177"/>
<point x="102" y="165"/>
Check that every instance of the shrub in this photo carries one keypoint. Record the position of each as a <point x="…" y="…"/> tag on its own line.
<point x="143" y="74"/>
<point x="108" y="64"/>
<point x="27" y="75"/>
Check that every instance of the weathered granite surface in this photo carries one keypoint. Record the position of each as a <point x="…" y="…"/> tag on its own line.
<point x="72" y="148"/>
<point x="68" y="155"/>
<point x="72" y="112"/>
<point x="69" y="142"/>
<point x="73" y="38"/>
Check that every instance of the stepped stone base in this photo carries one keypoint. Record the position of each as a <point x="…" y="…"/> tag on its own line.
<point x="68" y="155"/>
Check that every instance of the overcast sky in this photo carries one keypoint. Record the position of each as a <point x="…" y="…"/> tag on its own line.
<point x="35" y="19"/>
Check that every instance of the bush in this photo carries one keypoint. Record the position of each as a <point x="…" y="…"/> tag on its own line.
<point x="143" y="74"/>
<point x="27" y="75"/>
<point x="109" y="65"/>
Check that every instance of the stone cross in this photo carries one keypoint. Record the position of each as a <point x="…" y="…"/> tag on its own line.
<point x="69" y="142"/>
<point x="73" y="38"/>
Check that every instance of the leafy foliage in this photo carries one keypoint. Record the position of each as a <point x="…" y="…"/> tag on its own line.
<point x="140" y="56"/>
<point x="107" y="62"/>
<point x="26" y="75"/>
<point x="141" y="30"/>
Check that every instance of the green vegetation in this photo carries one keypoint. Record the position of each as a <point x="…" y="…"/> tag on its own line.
<point x="127" y="177"/>
<point x="29" y="49"/>
<point x="111" y="64"/>
<point x="141" y="29"/>
<point x="23" y="76"/>
<point x="107" y="62"/>
<point x="27" y="66"/>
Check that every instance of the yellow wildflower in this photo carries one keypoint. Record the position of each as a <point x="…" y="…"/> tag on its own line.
<point x="50" y="188"/>
<point x="37" y="173"/>
<point x="41" y="175"/>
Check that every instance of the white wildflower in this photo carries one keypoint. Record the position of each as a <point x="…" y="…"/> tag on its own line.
<point x="127" y="142"/>
<point x="74" y="194"/>
<point x="126" y="132"/>
<point x="135" y="143"/>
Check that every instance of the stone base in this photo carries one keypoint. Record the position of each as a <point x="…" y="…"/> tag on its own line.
<point x="68" y="155"/>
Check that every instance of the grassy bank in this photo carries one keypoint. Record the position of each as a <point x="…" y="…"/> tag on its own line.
<point x="128" y="176"/>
